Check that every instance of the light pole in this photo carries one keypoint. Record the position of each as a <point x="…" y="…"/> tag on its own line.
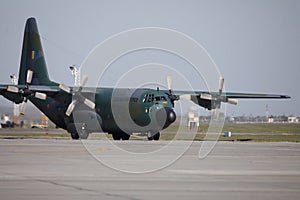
<point x="16" y="108"/>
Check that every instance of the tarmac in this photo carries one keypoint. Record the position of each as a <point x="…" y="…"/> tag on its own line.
<point x="137" y="169"/>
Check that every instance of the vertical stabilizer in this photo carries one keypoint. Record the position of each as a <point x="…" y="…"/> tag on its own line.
<point x="33" y="57"/>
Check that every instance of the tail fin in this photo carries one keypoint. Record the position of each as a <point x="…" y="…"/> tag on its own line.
<point x="33" y="56"/>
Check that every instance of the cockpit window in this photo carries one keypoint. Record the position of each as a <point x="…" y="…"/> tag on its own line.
<point x="148" y="98"/>
<point x="163" y="98"/>
<point x="160" y="98"/>
<point x="145" y="98"/>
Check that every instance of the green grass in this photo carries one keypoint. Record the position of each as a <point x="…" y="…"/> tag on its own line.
<point x="247" y="128"/>
<point x="35" y="135"/>
<point x="262" y="133"/>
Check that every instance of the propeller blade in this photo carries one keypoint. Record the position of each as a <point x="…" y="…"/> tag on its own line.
<point x="169" y="81"/>
<point x="185" y="96"/>
<point x="232" y="101"/>
<point x="206" y="96"/>
<point x="89" y="103"/>
<point x="29" y="76"/>
<point x="22" y="108"/>
<point x="41" y="96"/>
<point x="13" y="89"/>
<point x="221" y="84"/>
<point x="84" y="80"/>
<point x="71" y="108"/>
<point x="64" y="88"/>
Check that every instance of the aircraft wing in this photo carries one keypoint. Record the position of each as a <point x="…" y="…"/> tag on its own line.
<point x="254" y="96"/>
<point x="3" y="87"/>
<point x="37" y="88"/>
<point x="16" y="93"/>
<point x="12" y="96"/>
<point x="213" y="100"/>
<point x="237" y="95"/>
<point x="49" y="90"/>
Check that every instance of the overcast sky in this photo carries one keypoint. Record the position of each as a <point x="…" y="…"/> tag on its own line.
<point x="255" y="44"/>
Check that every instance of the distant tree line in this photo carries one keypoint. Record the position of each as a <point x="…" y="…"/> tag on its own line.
<point x="254" y="119"/>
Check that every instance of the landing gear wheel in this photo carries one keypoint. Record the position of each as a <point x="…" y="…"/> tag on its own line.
<point x="125" y="136"/>
<point x="153" y="137"/>
<point x="75" y="136"/>
<point x="156" y="136"/>
<point x="150" y="136"/>
<point x="82" y="131"/>
<point x="84" y="135"/>
<point x="78" y="131"/>
<point x="120" y="135"/>
<point x="116" y="136"/>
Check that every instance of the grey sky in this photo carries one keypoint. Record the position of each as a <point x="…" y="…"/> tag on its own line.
<point x="255" y="44"/>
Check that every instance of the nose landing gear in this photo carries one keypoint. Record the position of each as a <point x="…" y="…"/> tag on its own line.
<point x="153" y="137"/>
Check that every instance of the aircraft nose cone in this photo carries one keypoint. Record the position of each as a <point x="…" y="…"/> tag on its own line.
<point x="171" y="116"/>
<point x="165" y="117"/>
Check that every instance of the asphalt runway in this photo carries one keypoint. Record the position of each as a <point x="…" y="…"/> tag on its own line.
<point x="66" y="169"/>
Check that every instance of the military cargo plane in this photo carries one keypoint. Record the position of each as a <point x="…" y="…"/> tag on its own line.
<point x="84" y="110"/>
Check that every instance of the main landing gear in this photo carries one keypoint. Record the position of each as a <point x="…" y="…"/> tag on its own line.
<point x="125" y="136"/>
<point x="83" y="135"/>
<point x="78" y="131"/>
<point x="120" y="135"/>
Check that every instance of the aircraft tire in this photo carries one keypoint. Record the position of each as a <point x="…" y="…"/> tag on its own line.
<point x="75" y="136"/>
<point x="120" y="135"/>
<point x="78" y="131"/>
<point x="84" y="135"/>
<point x="82" y="131"/>
<point x="150" y="138"/>
<point x="125" y="136"/>
<point x="156" y="136"/>
<point x="153" y="137"/>
<point x="116" y="136"/>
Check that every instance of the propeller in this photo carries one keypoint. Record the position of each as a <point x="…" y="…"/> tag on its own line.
<point x="26" y="92"/>
<point x="29" y="76"/>
<point x="185" y="97"/>
<point x="172" y="96"/>
<point x="169" y="81"/>
<point x="218" y="98"/>
<point x="23" y="107"/>
<point x="221" y="84"/>
<point x="12" y="89"/>
<point x="77" y="96"/>
<point x="215" y="99"/>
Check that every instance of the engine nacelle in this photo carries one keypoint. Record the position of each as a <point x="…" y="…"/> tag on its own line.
<point x="206" y="103"/>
